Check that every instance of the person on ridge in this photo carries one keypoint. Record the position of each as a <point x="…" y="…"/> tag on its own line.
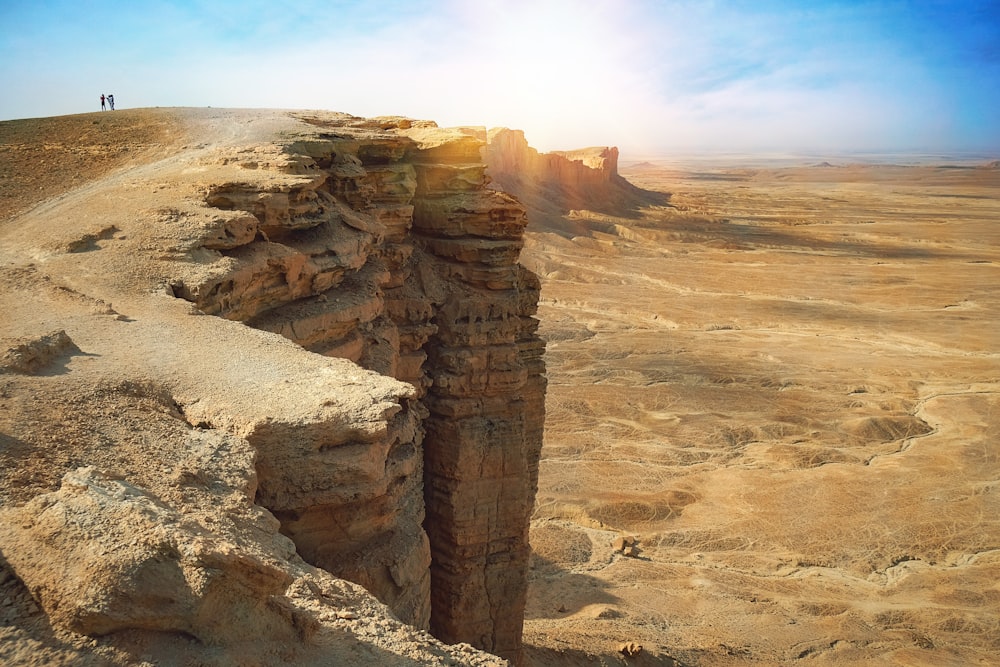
<point x="103" y="108"/>
<point x="111" y="101"/>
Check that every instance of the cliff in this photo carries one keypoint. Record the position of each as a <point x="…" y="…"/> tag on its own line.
<point x="552" y="185"/>
<point x="365" y="403"/>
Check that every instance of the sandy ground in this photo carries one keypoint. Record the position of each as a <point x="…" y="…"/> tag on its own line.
<point x="786" y="385"/>
<point x="44" y="157"/>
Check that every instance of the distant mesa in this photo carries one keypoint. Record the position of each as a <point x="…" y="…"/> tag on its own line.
<point x="552" y="184"/>
<point x="825" y="164"/>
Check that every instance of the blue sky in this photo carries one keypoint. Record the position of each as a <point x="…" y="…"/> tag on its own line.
<point x="651" y="76"/>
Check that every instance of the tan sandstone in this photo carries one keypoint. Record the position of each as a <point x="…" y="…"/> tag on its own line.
<point x="180" y="485"/>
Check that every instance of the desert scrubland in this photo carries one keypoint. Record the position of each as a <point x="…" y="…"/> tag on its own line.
<point x="785" y="384"/>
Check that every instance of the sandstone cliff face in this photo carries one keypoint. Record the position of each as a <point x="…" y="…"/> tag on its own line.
<point x="391" y="252"/>
<point x="171" y="484"/>
<point x="554" y="184"/>
<point x="512" y="159"/>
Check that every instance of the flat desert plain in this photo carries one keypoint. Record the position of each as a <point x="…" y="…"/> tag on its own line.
<point x="785" y="385"/>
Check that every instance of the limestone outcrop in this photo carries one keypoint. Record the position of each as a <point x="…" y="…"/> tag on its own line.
<point x="365" y="402"/>
<point x="391" y="252"/>
<point x="511" y="158"/>
<point x="556" y="183"/>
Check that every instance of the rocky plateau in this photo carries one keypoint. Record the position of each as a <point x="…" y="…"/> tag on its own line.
<point x="298" y="387"/>
<point x="260" y="356"/>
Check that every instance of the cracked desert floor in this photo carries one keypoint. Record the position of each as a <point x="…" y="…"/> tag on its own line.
<point x="786" y="385"/>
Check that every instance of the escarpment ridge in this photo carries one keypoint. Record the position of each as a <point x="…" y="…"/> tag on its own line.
<point x="268" y="354"/>
<point x="555" y="185"/>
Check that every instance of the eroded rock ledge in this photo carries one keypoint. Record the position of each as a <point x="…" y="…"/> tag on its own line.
<point x="378" y="242"/>
<point x="191" y="490"/>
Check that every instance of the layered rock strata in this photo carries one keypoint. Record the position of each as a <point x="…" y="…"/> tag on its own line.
<point x="378" y="242"/>
<point x="553" y="184"/>
<point x="510" y="157"/>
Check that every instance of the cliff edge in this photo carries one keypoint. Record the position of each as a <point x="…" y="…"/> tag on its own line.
<point x="250" y="366"/>
<point x="552" y="185"/>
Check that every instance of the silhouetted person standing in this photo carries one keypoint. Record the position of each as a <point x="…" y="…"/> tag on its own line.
<point x="111" y="101"/>
<point x="103" y="108"/>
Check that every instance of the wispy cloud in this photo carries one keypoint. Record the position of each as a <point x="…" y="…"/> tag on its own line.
<point x="644" y="74"/>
